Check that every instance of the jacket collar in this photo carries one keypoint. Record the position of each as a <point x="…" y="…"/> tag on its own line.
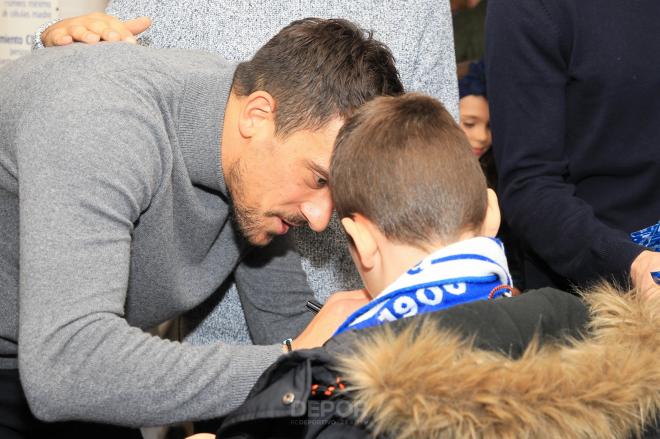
<point x="425" y="382"/>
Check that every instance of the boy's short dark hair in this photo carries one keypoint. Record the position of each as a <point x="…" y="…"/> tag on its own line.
<point x="405" y="164"/>
<point x="317" y="69"/>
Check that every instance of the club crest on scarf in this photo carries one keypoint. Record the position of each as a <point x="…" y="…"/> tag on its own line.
<point x="459" y="273"/>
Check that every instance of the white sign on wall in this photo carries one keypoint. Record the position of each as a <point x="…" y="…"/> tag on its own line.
<point x="20" y="18"/>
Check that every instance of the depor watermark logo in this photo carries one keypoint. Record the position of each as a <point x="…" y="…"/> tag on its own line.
<point x="328" y="411"/>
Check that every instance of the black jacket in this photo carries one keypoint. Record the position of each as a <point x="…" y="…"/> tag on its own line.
<point x="474" y="370"/>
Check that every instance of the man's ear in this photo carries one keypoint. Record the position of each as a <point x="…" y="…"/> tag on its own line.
<point x="257" y="113"/>
<point x="366" y="248"/>
<point x="493" y="217"/>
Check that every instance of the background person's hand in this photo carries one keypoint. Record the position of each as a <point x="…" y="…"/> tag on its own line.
<point x="92" y="28"/>
<point x="640" y="272"/>
<point x="335" y="311"/>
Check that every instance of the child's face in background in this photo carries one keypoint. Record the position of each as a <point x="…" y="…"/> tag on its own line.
<point x="475" y="122"/>
<point x="463" y="4"/>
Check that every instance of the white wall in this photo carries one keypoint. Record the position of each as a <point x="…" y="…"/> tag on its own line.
<point x="20" y="18"/>
<point x="71" y="8"/>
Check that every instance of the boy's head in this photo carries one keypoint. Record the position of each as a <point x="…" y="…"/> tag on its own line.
<point x="404" y="183"/>
<point x="280" y="124"/>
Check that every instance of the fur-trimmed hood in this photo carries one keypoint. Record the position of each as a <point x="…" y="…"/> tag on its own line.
<point x="428" y="383"/>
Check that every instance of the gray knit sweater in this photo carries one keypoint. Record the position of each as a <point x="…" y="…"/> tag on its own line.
<point x="419" y="33"/>
<point x="114" y="217"/>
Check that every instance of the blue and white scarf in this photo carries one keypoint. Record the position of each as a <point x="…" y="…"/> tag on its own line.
<point x="459" y="273"/>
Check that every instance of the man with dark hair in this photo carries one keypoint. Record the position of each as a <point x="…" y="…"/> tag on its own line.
<point x="419" y="34"/>
<point x="118" y="215"/>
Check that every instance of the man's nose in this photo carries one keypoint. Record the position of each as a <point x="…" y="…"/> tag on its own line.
<point x="317" y="212"/>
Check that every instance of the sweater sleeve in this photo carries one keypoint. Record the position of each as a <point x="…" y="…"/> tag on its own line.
<point x="84" y="178"/>
<point x="273" y="290"/>
<point x="527" y="55"/>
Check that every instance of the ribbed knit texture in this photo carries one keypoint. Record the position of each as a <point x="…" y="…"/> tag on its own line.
<point x="111" y="169"/>
<point x="418" y="32"/>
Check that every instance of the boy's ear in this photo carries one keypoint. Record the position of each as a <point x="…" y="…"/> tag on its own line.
<point x="258" y="112"/>
<point x="364" y="242"/>
<point x="493" y="217"/>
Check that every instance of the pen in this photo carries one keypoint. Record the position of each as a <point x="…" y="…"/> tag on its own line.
<point x="313" y="306"/>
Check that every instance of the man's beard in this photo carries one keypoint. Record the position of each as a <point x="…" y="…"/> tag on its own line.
<point x="248" y="218"/>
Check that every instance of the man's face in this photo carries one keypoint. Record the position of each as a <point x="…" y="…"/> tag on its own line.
<point x="281" y="183"/>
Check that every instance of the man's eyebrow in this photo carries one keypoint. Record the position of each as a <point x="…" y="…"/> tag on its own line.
<point x="319" y="169"/>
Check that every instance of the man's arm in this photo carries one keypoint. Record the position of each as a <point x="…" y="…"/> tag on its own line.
<point x="273" y="290"/>
<point x="84" y="178"/>
<point x="527" y="76"/>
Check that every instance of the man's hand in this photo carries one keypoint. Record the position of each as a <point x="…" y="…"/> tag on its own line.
<point x="335" y="311"/>
<point x="640" y="272"/>
<point x="92" y="28"/>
